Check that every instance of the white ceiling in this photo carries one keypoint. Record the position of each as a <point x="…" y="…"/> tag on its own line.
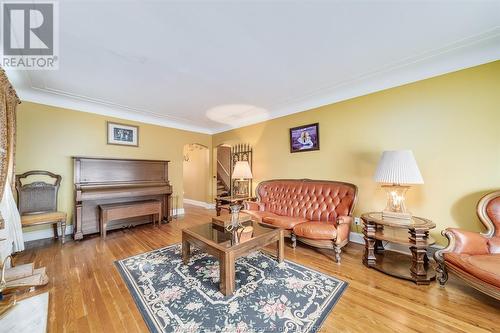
<point x="213" y="65"/>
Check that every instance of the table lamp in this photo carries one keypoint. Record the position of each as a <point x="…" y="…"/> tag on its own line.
<point x="396" y="170"/>
<point x="242" y="173"/>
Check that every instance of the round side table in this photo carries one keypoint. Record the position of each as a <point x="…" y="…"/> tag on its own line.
<point x="413" y="233"/>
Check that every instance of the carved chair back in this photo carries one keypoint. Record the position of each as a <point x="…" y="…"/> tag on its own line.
<point x="488" y="210"/>
<point x="38" y="196"/>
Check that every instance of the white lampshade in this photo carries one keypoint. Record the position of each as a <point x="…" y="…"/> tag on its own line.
<point x="398" y="167"/>
<point x="242" y="171"/>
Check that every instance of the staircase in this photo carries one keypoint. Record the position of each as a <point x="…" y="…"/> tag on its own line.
<point x="222" y="188"/>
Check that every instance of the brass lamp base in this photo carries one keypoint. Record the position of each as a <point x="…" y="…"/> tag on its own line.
<point x="396" y="208"/>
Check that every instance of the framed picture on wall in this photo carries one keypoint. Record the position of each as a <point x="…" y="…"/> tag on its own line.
<point x="304" y="138"/>
<point x="121" y="134"/>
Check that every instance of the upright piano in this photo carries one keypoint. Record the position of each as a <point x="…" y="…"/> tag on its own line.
<point x="110" y="180"/>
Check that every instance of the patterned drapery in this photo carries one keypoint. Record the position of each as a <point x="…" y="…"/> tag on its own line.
<point x="8" y="105"/>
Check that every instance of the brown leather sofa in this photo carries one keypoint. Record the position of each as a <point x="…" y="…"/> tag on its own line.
<point x="475" y="257"/>
<point x="315" y="212"/>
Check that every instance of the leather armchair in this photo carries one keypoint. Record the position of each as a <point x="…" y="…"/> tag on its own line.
<point x="472" y="256"/>
<point x="314" y="212"/>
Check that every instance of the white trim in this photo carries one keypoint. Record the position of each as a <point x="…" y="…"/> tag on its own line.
<point x="179" y="211"/>
<point x="358" y="238"/>
<point x="44" y="233"/>
<point x="468" y="52"/>
<point x="203" y="204"/>
<point x="67" y="101"/>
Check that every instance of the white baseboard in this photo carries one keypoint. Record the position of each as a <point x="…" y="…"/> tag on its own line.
<point x="178" y="211"/>
<point x="199" y="203"/>
<point x="359" y="239"/>
<point x="44" y="233"/>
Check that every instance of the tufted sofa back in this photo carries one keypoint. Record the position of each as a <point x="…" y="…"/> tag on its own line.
<point x="488" y="210"/>
<point x="315" y="200"/>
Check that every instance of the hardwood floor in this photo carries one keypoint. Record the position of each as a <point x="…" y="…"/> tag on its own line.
<point x="87" y="294"/>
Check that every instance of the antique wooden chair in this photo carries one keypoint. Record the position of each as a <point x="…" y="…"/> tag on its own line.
<point x="472" y="256"/>
<point x="37" y="202"/>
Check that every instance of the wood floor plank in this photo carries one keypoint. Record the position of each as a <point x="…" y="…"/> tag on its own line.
<point x="87" y="293"/>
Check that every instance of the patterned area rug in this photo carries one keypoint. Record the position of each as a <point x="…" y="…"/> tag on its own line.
<point x="269" y="297"/>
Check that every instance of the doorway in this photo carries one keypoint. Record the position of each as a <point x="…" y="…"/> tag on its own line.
<point x="196" y="174"/>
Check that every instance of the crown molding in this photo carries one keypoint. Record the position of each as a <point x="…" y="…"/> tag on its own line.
<point x="469" y="52"/>
<point x="77" y="103"/>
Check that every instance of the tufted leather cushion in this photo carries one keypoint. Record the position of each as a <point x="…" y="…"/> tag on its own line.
<point x="484" y="267"/>
<point x="285" y="222"/>
<point x="309" y="199"/>
<point x="316" y="230"/>
<point x="493" y="211"/>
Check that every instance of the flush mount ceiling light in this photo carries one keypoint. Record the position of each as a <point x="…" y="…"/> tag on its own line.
<point x="232" y="114"/>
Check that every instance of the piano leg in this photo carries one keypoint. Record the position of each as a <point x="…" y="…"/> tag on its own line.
<point x="78" y="223"/>
<point x="166" y="208"/>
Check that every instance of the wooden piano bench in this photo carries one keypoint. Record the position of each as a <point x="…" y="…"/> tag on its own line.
<point x="123" y="210"/>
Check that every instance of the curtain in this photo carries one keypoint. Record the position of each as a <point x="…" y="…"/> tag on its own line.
<point x="8" y="212"/>
<point x="12" y="219"/>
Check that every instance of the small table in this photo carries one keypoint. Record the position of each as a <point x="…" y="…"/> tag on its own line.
<point x="224" y="202"/>
<point x="413" y="233"/>
<point x="216" y="241"/>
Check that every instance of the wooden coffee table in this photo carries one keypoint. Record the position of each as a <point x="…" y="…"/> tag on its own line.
<point x="216" y="241"/>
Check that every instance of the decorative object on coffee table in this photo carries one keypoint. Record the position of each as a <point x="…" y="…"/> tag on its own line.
<point x="226" y="220"/>
<point x="225" y="202"/>
<point x="396" y="169"/>
<point x="219" y="242"/>
<point x="270" y="296"/>
<point x="122" y="134"/>
<point x="416" y="267"/>
<point x="304" y="138"/>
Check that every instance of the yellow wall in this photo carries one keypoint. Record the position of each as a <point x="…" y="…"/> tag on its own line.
<point x="451" y="122"/>
<point x="197" y="182"/>
<point x="47" y="138"/>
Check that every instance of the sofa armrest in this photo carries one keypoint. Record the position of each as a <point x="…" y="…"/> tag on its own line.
<point x="253" y="205"/>
<point x="344" y="220"/>
<point x="462" y="241"/>
<point x="343" y="229"/>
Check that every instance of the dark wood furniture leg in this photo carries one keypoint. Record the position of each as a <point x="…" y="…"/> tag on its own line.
<point x="217" y="207"/>
<point x="54" y="227"/>
<point x="281" y="247"/>
<point x="78" y="234"/>
<point x="186" y="251"/>
<point x="419" y="263"/>
<point x="63" y="231"/>
<point x="369" y="258"/>
<point x="227" y="272"/>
